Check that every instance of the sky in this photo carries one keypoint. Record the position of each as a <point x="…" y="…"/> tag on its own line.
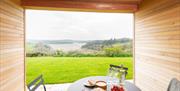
<point x="60" y="25"/>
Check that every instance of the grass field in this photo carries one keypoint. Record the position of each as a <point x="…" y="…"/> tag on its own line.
<point x="69" y="69"/>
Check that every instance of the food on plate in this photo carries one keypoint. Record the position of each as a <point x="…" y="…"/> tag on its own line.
<point x="117" y="88"/>
<point x="91" y="82"/>
<point x="98" y="89"/>
<point x="101" y="84"/>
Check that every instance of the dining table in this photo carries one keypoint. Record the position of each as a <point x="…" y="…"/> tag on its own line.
<point x="79" y="84"/>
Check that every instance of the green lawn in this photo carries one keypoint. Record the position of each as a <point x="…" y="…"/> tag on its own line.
<point x="69" y="69"/>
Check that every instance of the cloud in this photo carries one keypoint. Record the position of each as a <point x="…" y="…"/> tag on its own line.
<point x="77" y="25"/>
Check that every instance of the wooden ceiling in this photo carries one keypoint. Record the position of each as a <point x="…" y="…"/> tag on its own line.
<point x="87" y="5"/>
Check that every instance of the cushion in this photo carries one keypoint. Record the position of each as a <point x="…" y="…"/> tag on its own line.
<point x="174" y="85"/>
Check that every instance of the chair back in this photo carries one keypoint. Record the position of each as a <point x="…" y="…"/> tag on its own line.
<point x="174" y="85"/>
<point x="32" y="86"/>
<point x="117" y="68"/>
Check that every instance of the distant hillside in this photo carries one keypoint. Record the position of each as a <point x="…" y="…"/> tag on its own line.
<point x="57" y="41"/>
<point x="100" y="44"/>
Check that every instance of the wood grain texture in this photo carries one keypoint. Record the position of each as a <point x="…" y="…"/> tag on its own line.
<point x="102" y="1"/>
<point x="84" y="5"/>
<point x="157" y="44"/>
<point x="11" y="46"/>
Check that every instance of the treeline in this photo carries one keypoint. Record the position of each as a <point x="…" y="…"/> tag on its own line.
<point x="101" y="44"/>
<point x="78" y="54"/>
<point x="99" y="48"/>
<point x="107" y="53"/>
<point x="40" y="49"/>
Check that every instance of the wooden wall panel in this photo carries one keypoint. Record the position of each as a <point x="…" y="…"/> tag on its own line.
<point x="157" y="44"/>
<point x="12" y="72"/>
<point x="84" y="5"/>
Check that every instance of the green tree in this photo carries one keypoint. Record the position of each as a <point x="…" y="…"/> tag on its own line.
<point x="113" y="51"/>
<point x="59" y="53"/>
<point x="42" y="49"/>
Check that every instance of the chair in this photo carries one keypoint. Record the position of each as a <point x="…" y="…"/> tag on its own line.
<point x="174" y="85"/>
<point x="119" y="72"/>
<point x="36" y="83"/>
<point x="117" y="68"/>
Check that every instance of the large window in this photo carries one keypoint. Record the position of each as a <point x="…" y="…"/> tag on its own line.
<point x="58" y="42"/>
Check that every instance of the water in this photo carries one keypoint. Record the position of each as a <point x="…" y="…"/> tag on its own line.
<point x="67" y="47"/>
